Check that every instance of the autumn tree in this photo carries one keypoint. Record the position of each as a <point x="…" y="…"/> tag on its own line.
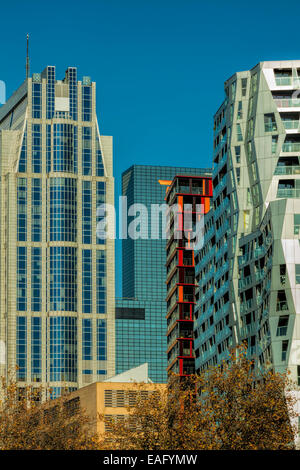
<point x="26" y="423"/>
<point x="231" y="406"/>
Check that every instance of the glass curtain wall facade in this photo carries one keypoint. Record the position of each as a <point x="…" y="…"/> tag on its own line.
<point x="141" y="324"/>
<point x="57" y="308"/>
<point x="248" y="270"/>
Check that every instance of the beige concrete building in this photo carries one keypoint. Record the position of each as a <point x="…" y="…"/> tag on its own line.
<point x="57" y="307"/>
<point x="112" y="397"/>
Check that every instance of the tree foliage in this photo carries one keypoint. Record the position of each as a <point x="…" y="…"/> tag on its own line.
<point x="26" y="423"/>
<point x="227" y="407"/>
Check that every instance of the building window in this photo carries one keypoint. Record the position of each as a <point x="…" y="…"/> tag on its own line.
<point x="63" y="278"/>
<point x="63" y="349"/>
<point x="282" y="325"/>
<point x="99" y="160"/>
<point x="36" y="349"/>
<point x="36" y="100"/>
<point x="21" y="209"/>
<point x="296" y="224"/>
<point x="101" y="340"/>
<point x="23" y="154"/>
<point x="86" y="281"/>
<point x="100" y="199"/>
<point x="36" y="148"/>
<point x="282" y="274"/>
<point x="238" y="175"/>
<point x="270" y="123"/>
<point x="86" y="150"/>
<point x="297" y="268"/>
<point x="86" y="103"/>
<point x="240" y="110"/>
<point x="63" y="151"/>
<point x="237" y="154"/>
<point x="274" y="144"/>
<point x="244" y="86"/>
<point x="254" y="83"/>
<point x="86" y="212"/>
<point x="233" y="90"/>
<point x="63" y="209"/>
<point x="72" y="80"/>
<point x="21" y="278"/>
<point x="36" y="210"/>
<point x="21" y="349"/>
<point x="87" y="340"/>
<point x="284" y="349"/>
<point x="298" y="375"/>
<point x="36" y="279"/>
<point x="101" y="281"/>
<point x="239" y="133"/>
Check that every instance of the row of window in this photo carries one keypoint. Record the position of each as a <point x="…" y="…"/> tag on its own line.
<point x="63" y="279"/>
<point x="63" y="341"/>
<point x="62" y="142"/>
<point x="63" y="210"/>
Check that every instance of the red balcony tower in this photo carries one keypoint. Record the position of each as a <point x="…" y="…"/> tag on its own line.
<point x="189" y="199"/>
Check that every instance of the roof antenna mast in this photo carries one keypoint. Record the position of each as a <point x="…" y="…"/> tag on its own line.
<point x="27" y="57"/>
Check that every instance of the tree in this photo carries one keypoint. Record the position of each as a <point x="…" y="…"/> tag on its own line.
<point x="231" y="406"/>
<point x="28" y="424"/>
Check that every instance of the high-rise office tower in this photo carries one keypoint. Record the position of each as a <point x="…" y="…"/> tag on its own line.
<point x="189" y="200"/>
<point x="141" y="324"/>
<point x="249" y="267"/>
<point x="56" y="277"/>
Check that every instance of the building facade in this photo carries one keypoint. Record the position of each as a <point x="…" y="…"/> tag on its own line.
<point x="111" y="398"/>
<point x="141" y="324"/>
<point x="189" y="200"/>
<point x="57" y="304"/>
<point x="248" y="270"/>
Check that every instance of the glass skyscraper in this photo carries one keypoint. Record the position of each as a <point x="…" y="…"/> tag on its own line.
<point x="249" y="268"/>
<point x="141" y="324"/>
<point x="57" y="288"/>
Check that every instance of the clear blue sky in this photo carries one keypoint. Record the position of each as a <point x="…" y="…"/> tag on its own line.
<point x="159" y="65"/>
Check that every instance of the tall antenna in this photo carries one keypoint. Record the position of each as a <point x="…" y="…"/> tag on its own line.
<point x="27" y="57"/>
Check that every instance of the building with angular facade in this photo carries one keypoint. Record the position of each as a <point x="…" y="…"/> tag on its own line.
<point x="141" y="324"/>
<point x="249" y="268"/>
<point x="57" y="307"/>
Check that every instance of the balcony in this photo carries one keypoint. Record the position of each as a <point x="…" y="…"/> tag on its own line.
<point x="247" y="305"/>
<point x="221" y="313"/>
<point x="188" y="298"/>
<point x="291" y="147"/>
<point x="292" y="124"/>
<point x="281" y="331"/>
<point x="221" y="335"/>
<point x="287" y="170"/>
<point x="287" y="103"/>
<point x="221" y="291"/>
<point x="218" y="166"/>
<point x="245" y="282"/>
<point x="288" y="193"/>
<point x="220" y="186"/>
<point x="248" y="330"/>
<point x="283" y="81"/>
<point x="221" y="208"/>
<point x="282" y="306"/>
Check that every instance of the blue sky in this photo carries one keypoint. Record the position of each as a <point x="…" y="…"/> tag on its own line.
<point x="159" y="65"/>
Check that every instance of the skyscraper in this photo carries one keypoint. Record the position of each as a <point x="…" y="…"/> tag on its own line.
<point x="189" y="199"/>
<point x="141" y="324"/>
<point x="249" y="268"/>
<point x="57" y="278"/>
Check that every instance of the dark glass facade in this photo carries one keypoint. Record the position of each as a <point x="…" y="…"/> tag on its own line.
<point x="142" y="338"/>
